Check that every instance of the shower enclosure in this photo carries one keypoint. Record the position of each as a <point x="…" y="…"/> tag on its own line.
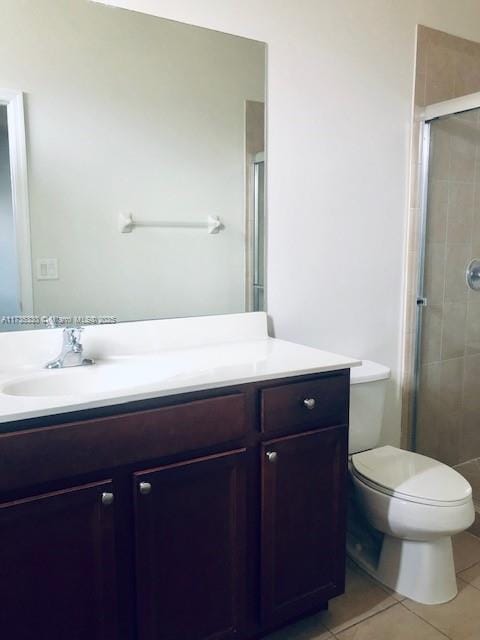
<point x="447" y="398"/>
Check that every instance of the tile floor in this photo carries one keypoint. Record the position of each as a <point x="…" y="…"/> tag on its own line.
<point x="368" y="611"/>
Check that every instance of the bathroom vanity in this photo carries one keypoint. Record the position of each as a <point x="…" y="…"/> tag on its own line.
<point x="191" y="483"/>
<point x="216" y="512"/>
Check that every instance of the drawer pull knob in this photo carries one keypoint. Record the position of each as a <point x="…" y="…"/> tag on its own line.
<point x="107" y="498"/>
<point x="145" y="488"/>
<point x="309" y="403"/>
<point x="271" y="456"/>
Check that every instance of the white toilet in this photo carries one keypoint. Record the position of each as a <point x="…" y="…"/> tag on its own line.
<point x="416" y="502"/>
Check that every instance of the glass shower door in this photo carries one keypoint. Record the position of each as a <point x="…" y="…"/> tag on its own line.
<point x="447" y="420"/>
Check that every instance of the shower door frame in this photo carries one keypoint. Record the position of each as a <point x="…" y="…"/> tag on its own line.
<point x="425" y="117"/>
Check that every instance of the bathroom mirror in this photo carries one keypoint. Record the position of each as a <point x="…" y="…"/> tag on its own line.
<point x="132" y="164"/>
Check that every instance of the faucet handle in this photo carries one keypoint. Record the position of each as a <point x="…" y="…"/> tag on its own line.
<point x="72" y="335"/>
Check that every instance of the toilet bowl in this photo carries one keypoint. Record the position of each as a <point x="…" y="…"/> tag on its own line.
<point x="417" y="503"/>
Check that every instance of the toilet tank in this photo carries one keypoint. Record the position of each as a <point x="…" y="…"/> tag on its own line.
<point x="368" y="384"/>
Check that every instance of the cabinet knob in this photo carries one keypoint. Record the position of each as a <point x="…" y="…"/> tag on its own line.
<point x="107" y="498"/>
<point x="145" y="488"/>
<point x="309" y="403"/>
<point x="271" y="456"/>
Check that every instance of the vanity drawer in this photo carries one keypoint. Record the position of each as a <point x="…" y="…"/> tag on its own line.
<point x="105" y="443"/>
<point x="298" y="406"/>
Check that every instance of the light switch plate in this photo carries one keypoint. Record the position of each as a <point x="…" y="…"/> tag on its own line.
<point x="47" y="269"/>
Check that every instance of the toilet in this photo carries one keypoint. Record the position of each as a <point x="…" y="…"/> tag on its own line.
<point x="417" y="503"/>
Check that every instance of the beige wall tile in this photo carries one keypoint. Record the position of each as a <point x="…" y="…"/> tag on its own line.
<point x="396" y="623"/>
<point x="428" y="409"/>
<point x="467" y="73"/>
<point x="453" y="325"/>
<point x="407" y="390"/>
<point x="439" y="168"/>
<point x="470" y="438"/>
<point x="440" y="70"/>
<point x="472" y="342"/>
<point x="439" y="90"/>
<point x="406" y="422"/>
<point x="431" y="333"/>
<point x="434" y="276"/>
<point x="449" y="426"/>
<point x="471" y="395"/>
<point x="457" y="259"/>
<point x="420" y="89"/>
<point x="460" y="212"/>
<point x="437" y="211"/>
<point x="462" y="151"/>
<point x="476" y="211"/>
<point x="451" y="385"/>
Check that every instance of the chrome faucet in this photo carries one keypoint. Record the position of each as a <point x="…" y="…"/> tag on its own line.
<point x="72" y="351"/>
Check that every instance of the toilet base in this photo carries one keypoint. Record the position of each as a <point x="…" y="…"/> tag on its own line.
<point x="421" y="571"/>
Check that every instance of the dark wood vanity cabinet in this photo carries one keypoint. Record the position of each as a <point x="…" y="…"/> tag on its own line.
<point x="190" y="548"/>
<point x="57" y="566"/>
<point x="303" y="522"/>
<point x="211" y="516"/>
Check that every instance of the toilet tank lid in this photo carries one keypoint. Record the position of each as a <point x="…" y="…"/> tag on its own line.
<point x="369" y="371"/>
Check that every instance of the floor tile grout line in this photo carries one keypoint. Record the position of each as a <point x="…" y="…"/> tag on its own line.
<point x="473" y="586"/>
<point x="354" y="624"/>
<point x="470" y="584"/>
<point x="457" y="573"/>
<point x="426" y="621"/>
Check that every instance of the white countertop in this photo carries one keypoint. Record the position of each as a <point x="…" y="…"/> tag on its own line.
<point x="209" y="355"/>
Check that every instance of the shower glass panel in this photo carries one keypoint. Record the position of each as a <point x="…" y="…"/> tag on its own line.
<point x="447" y="424"/>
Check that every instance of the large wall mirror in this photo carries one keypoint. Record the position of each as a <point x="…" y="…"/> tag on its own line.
<point x="132" y="164"/>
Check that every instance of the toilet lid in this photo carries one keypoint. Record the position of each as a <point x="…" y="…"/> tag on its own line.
<point x="411" y="475"/>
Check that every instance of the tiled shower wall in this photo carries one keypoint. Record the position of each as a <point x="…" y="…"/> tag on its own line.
<point x="446" y="67"/>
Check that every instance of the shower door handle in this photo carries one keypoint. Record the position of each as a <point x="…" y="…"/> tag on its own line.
<point x="422" y="302"/>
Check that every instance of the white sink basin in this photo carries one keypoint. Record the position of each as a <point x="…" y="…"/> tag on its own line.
<point x="100" y="378"/>
<point x="125" y="373"/>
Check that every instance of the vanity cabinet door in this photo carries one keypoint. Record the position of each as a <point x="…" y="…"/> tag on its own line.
<point x="303" y="522"/>
<point x="57" y="566"/>
<point x="190" y="549"/>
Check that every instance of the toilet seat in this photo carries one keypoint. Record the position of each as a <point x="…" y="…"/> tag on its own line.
<point x="411" y="476"/>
